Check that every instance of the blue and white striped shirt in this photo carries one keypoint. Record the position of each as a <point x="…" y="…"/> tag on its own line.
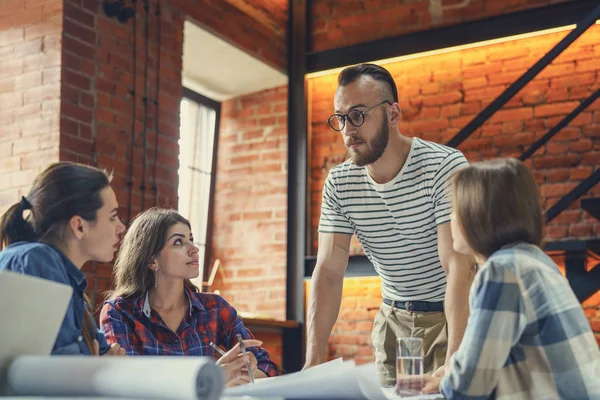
<point x="527" y="335"/>
<point x="396" y="222"/>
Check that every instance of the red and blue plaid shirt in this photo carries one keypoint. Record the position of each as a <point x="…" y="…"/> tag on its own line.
<point x="140" y="330"/>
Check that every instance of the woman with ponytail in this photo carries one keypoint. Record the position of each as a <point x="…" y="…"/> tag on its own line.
<point x="69" y="217"/>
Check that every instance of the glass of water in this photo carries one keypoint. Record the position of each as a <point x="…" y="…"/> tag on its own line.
<point x="409" y="366"/>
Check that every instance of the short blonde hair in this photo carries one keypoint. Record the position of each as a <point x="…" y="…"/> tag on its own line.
<point x="497" y="203"/>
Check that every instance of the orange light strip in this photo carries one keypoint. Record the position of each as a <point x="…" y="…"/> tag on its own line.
<point x="454" y="48"/>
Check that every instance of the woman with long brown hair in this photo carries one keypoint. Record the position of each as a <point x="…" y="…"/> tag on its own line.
<point x="156" y="310"/>
<point x="69" y="217"/>
<point x="527" y="335"/>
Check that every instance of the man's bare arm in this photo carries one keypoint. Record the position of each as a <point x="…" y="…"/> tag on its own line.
<point x="459" y="275"/>
<point x="325" y="293"/>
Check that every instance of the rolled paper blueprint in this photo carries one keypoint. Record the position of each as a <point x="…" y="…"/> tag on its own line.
<point x="161" y="377"/>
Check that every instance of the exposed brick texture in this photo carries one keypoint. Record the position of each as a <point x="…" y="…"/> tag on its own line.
<point x="361" y="298"/>
<point x="251" y="202"/>
<point x="66" y="65"/>
<point x="30" y="63"/>
<point x="99" y="78"/>
<point x="339" y="23"/>
<point x="441" y="94"/>
<point x="96" y="113"/>
<point x="66" y="72"/>
<point x="351" y="335"/>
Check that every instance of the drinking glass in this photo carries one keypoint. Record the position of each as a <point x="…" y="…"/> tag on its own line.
<point x="409" y="366"/>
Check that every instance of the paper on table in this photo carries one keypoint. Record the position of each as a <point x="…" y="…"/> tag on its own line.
<point x="328" y="366"/>
<point x="136" y="377"/>
<point x="333" y="380"/>
<point x="314" y="370"/>
<point x="369" y="382"/>
<point x="372" y="390"/>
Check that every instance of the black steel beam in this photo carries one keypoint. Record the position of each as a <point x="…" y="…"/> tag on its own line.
<point x="572" y="246"/>
<point x="541" y="18"/>
<point x="584" y="283"/>
<point x="513" y="89"/>
<point x="573" y="195"/>
<point x="292" y="348"/>
<point x="564" y="122"/>
<point x="592" y="206"/>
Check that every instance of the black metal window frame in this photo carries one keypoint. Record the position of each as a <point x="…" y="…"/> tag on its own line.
<point x="202" y="100"/>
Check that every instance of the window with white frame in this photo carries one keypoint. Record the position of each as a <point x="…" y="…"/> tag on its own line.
<point x="197" y="145"/>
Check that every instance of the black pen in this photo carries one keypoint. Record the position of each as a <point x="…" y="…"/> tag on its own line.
<point x="243" y="348"/>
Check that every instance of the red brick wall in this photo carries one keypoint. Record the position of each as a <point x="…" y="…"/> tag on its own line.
<point x="361" y="298"/>
<point x="255" y="26"/>
<point x="251" y="202"/>
<point x="30" y="62"/>
<point x="338" y="23"/>
<point x="83" y="112"/>
<point x="351" y="334"/>
<point x="96" y="112"/>
<point x="441" y="94"/>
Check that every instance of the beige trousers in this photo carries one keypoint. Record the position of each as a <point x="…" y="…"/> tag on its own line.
<point x="391" y="323"/>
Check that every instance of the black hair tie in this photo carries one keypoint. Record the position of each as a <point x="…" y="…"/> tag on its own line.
<point x="25" y="204"/>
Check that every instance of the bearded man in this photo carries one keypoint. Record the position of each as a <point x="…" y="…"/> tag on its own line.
<point x="394" y="194"/>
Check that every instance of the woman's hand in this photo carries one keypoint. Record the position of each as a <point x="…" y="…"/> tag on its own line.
<point x="410" y="385"/>
<point x="114" y="350"/>
<point x="234" y="363"/>
<point x="440" y="372"/>
<point x="245" y="379"/>
<point x="432" y="384"/>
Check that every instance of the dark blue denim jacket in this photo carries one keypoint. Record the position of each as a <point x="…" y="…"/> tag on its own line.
<point x="44" y="261"/>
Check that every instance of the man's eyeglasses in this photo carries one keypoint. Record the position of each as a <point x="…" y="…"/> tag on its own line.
<point x="355" y="117"/>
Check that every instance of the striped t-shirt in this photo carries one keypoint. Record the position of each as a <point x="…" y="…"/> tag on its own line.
<point x="396" y="222"/>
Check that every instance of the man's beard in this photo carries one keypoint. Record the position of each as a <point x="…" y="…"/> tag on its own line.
<point x="374" y="148"/>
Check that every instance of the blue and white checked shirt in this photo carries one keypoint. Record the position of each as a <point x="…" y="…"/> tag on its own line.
<point x="527" y="335"/>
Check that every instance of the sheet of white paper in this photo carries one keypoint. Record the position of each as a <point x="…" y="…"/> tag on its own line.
<point x="135" y="377"/>
<point x="369" y="382"/>
<point x="314" y="370"/>
<point x="371" y="388"/>
<point x="332" y="380"/>
<point x="328" y="366"/>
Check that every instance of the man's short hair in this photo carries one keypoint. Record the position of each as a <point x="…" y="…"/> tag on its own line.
<point x="350" y="74"/>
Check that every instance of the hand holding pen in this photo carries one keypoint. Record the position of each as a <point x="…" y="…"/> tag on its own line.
<point x="238" y="365"/>
<point x="241" y="343"/>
